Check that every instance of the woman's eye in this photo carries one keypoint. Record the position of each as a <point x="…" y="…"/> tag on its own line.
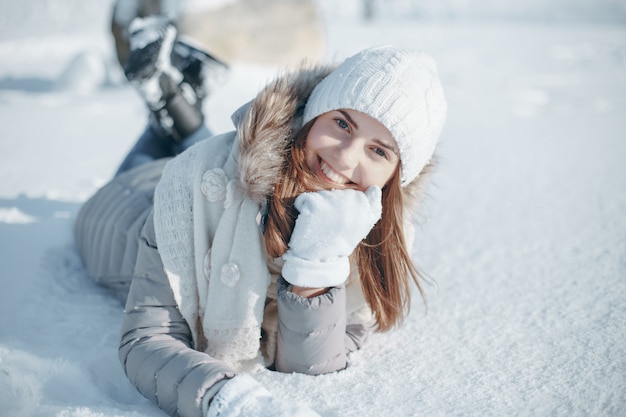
<point x="380" y="152"/>
<point x="343" y="124"/>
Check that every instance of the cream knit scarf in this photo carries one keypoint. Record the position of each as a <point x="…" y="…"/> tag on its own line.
<point x="209" y="240"/>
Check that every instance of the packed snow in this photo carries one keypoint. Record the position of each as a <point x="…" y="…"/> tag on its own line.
<point x="523" y="234"/>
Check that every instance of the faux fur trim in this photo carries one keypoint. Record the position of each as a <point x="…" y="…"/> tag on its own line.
<point x="271" y="121"/>
<point x="269" y="125"/>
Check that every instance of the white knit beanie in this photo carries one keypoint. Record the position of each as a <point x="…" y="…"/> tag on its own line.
<point x="397" y="87"/>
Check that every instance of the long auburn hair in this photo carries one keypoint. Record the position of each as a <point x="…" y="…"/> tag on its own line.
<point x="383" y="261"/>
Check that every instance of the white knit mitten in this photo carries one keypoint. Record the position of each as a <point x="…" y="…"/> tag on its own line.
<point x="329" y="227"/>
<point x="242" y="396"/>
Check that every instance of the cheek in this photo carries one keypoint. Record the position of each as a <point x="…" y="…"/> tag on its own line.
<point x="316" y="140"/>
<point x="311" y="139"/>
<point x="382" y="176"/>
<point x="316" y="137"/>
<point x="310" y="147"/>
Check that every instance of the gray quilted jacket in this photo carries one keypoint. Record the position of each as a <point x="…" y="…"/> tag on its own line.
<point x="115" y="236"/>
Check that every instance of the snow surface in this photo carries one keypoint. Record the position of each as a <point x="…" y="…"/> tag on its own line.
<point x="524" y="232"/>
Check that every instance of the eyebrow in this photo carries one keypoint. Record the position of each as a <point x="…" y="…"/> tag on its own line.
<point x="378" y="141"/>
<point x="388" y="146"/>
<point x="347" y="116"/>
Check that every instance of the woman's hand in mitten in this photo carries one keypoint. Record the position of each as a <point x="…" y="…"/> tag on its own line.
<point x="242" y="396"/>
<point x="329" y="227"/>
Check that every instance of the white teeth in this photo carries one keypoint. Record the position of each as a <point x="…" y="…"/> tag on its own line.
<point x="332" y="174"/>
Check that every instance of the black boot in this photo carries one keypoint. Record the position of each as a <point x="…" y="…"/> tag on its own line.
<point x="171" y="75"/>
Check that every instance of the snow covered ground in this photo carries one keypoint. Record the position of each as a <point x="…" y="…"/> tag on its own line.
<point x="524" y="232"/>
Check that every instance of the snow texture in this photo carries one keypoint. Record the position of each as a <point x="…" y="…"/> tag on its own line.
<point x="524" y="232"/>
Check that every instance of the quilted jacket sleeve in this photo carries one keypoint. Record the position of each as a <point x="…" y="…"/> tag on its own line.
<point x="313" y="335"/>
<point x="155" y="348"/>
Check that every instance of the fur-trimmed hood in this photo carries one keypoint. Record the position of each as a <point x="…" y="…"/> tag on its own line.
<point x="266" y="125"/>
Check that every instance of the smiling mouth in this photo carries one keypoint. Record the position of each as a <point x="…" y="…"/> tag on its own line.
<point x="332" y="175"/>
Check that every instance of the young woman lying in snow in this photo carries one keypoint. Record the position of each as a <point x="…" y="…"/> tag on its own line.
<point x="279" y="245"/>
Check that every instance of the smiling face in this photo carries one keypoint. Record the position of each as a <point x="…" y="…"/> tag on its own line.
<point x="349" y="149"/>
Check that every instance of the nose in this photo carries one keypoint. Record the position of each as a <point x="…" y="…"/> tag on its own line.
<point x="348" y="154"/>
